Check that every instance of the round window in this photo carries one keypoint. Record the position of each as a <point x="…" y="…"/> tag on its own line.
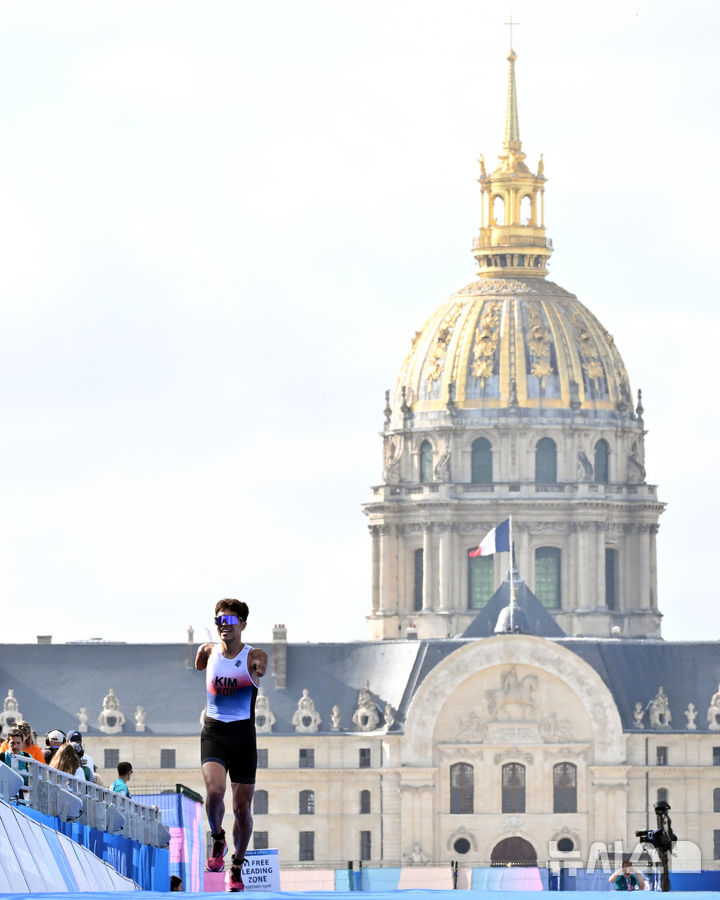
<point x="564" y="845"/>
<point x="461" y="845"/>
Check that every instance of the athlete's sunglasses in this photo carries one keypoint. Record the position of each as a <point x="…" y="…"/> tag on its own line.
<point x="227" y="620"/>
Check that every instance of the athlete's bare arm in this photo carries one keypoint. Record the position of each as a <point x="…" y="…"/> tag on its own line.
<point x="257" y="662"/>
<point x="202" y="656"/>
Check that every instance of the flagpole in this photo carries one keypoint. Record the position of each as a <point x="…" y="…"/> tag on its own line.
<point x="512" y="584"/>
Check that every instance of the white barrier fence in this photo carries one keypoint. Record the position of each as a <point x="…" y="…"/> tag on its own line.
<point x="74" y="799"/>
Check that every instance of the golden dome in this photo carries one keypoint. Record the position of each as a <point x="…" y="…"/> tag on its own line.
<point x="514" y="345"/>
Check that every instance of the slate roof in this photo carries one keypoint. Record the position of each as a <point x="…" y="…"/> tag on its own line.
<point x="51" y="682"/>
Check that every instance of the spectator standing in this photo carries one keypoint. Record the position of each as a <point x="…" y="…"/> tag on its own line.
<point x="15" y="741"/>
<point x="125" y="770"/>
<point x="29" y="745"/>
<point x="66" y="760"/>
<point x="87" y="771"/>
<point x="76" y="737"/>
<point x="53" y="740"/>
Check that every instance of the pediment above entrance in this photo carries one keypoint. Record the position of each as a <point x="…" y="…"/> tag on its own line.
<point x="517" y="691"/>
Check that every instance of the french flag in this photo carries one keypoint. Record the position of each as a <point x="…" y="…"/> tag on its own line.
<point x="495" y="541"/>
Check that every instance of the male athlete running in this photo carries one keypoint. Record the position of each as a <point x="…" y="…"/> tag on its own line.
<point x="227" y="743"/>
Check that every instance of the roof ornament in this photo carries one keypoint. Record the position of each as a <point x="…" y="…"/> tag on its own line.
<point x="111" y="718"/>
<point x="387" y="412"/>
<point x="82" y="718"/>
<point x="335" y="718"/>
<point x="660" y="710"/>
<point x="639" y="409"/>
<point x="264" y="718"/>
<point x="140" y="718"/>
<point x="306" y="718"/>
<point x="690" y="716"/>
<point x="11" y="714"/>
<point x="366" y="717"/>
<point x="713" y="713"/>
<point x="639" y="715"/>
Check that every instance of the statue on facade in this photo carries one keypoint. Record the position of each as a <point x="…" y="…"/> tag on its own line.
<point x="442" y="469"/>
<point x="139" y="719"/>
<point x="365" y="717"/>
<point x="660" y="710"/>
<point x="713" y="713"/>
<point x="639" y="715"/>
<point x="690" y="716"/>
<point x="585" y="469"/>
<point x="82" y="718"/>
<point x="11" y="714"/>
<point x="306" y="718"/>
<point x="335" y="718"/>
<point x="111" y="718"/>
<point x="389" y="715"/>
<point x="416" y="856"/>
<point x="264" y="717"/>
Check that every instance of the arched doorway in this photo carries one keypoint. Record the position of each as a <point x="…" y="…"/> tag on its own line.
<point x="513" y="851"/>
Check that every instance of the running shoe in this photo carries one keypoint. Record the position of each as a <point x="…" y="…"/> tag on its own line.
<point x="233" y="879"/>
<point x="215" y="862"/>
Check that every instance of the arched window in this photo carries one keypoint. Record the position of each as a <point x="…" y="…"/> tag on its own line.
<point x="426" y="462"/>
<point x="481" y="462"/>
<point x="513" y="788"/>
<point x="546" y="461"/>
<point x="716" y="799"/>
<point x="418" y="580"/>
<point x="498" y="210"/>
<point x="662" y="795"/>
<point x="462" y="781"/>
<point x="526" y="210"/>
<point x="611" y="579"/>
<point x="602" y="462"/>
<point x="260" y="803"/>
<point x="480" y="580"/>
<point x="547" y="576"/>
<point x="306" y="806"/>
<point x="565" y="788"/>
<point x="364" y="803"/>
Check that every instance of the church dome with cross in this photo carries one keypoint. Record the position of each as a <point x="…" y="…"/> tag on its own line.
<point x="514" y="401"/>
<point x="512" y="343"/>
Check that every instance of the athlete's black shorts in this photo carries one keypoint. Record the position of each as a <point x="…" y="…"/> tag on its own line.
<point x="233" y="745"/>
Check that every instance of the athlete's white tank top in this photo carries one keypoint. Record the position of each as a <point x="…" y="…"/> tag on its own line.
<point x="231" y="691"/>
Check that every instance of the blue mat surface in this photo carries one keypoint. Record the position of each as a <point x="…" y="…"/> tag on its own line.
<point x="347" y="895"/>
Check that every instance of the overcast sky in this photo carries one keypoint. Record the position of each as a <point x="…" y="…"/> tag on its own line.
<point x="221" y="223"/>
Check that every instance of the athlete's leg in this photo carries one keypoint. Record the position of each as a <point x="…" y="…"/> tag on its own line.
<point x="215" y="780"/>
<point x="242" y="829"/>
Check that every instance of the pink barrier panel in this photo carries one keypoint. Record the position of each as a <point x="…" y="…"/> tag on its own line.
<point x="426" y="878"/>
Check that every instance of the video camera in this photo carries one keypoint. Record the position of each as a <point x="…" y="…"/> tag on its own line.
<point x="663" y="837"/>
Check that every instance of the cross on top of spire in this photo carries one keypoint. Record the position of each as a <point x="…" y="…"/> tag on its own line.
<point x="511" y="24"/>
